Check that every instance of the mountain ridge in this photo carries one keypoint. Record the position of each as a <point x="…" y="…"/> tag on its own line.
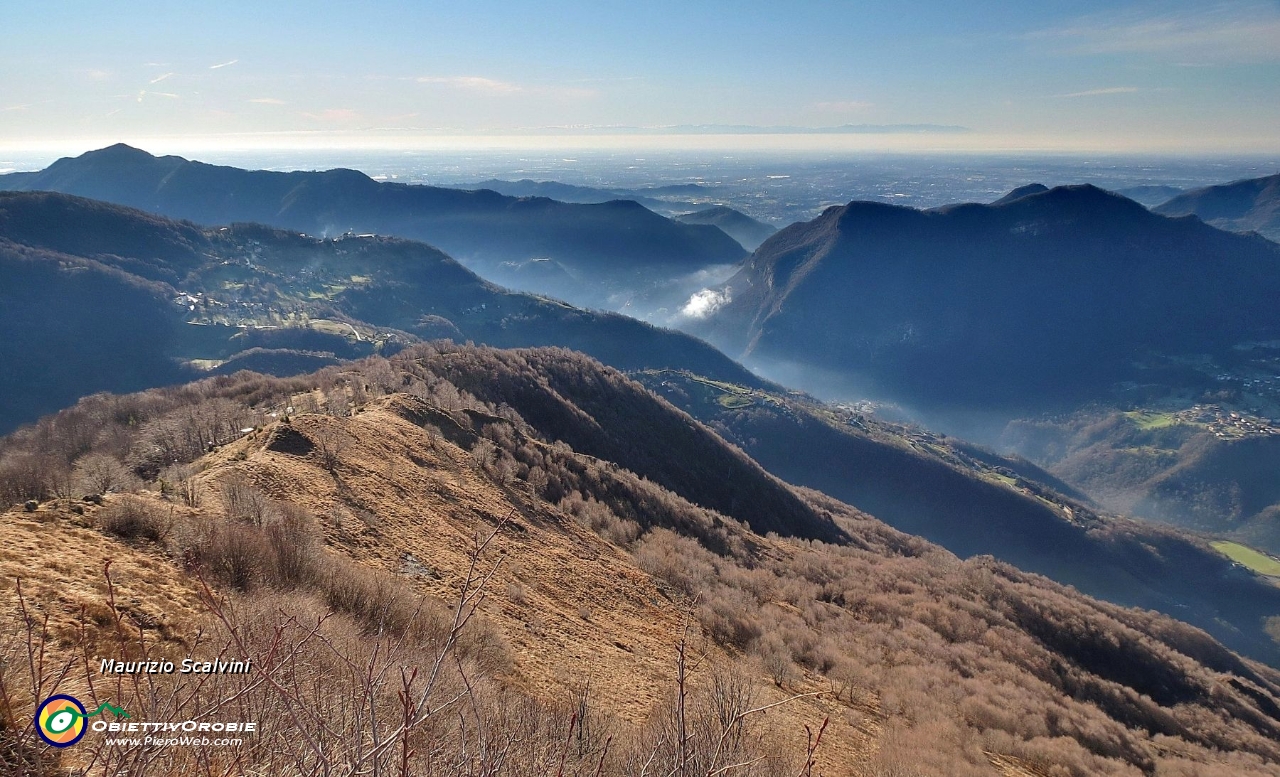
<point x="1247" y="205"/>
<point x="747" y="231"/>
<point x="1026" y="290"/>
<point x="208" y="294"/>
<point x="616" y="247"/>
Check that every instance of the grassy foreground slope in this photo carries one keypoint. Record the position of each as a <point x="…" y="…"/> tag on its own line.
<point x="339" y="534"/>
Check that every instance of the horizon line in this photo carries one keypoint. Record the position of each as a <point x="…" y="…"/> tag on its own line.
<point x="853" y="143"/>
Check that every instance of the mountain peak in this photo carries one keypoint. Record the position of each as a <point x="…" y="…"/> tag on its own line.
<point x="741" y="227"/>
<point x="1084" y="200"/>
<point x="1031" y="290"/>
<point x="122" y="151"/>
<point x="1022" y="191"/>
<point x="110" y="160"/>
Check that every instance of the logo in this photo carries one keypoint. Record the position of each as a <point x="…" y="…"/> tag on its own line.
<point x="60" y="720"/>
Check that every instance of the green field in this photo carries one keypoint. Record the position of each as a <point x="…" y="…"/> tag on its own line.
<point x="1147" y="420"/>
<point x="1246" y="556"/>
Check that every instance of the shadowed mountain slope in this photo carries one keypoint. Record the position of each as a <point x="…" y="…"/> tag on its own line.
<point x="1047" y="299"/>
<point x="974" y="502"/>
<point x="737" y="225"/>
<point x="614" y="243"/>
<point x="1150" y="195"/>
<point x="1251" y="205"/>
<point x="1198" y="469"/>
<point x="88" y="284"/>
<point x="1020" y="192"/>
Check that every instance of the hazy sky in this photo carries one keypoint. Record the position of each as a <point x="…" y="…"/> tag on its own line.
<point x="1157" y="76"/>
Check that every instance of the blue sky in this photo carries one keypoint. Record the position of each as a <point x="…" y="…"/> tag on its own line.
<point x="1170" y="76"/>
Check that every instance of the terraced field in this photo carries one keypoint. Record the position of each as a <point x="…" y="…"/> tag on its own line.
<point x="1248" y="557"/>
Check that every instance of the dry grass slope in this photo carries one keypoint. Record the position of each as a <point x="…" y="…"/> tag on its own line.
<point x="373" y="507"/>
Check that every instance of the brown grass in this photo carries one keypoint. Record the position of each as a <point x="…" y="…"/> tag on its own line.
<point x="353" y="564"/>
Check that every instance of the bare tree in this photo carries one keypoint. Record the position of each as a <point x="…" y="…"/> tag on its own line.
<point x="331" y="441"/>
<point x="99" y="473"/>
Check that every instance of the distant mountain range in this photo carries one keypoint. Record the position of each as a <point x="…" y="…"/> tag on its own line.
<point x="99" y="297"/>
<point x="749" y="232"/>
<point x="1045" y="298"/>
<point x="566" y="192"/>
<point x="1150" y="195"/>
<point x="728" y="129"/>
<point x="1242" y="206"/>
<point x="786" y="129"/>
<point x="610" y="248"/>
<point x="737" y="225"/>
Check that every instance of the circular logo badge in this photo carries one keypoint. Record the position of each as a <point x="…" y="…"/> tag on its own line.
<point x="60" y="720"/>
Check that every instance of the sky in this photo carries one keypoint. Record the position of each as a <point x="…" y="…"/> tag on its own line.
<point x="1162" y="77"/>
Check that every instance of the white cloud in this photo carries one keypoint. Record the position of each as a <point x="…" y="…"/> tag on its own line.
<point x="492" y="86"/>
<point x="1100" y="92"/>
<point x="704" y="303"/>
<point x="335" y="116"/>
<point x="160" y="78"/>
<point x="1225" y="32"/>
<point x="267" y="101"/>
<point x="223" y="64"/>
<point x="473" y="84"/>
<point x="843" y="106"/>
<point x="167" y="95"/>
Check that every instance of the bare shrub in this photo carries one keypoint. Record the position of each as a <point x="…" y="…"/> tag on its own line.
<point x="180" y="482"/>
<point x="291" y="550"/>
<point x="729" y="618"/>
<point x="376" y="599"/>
<point x="243" y="502"/>
<point x="234" y="553"/>
<point x="481" y="642"/>
<point x="485" y="453"/>
<point x="726" y="701"/>
<point x="678" y="560"/>
<point x="337" y="403"/>
<point x="537" y="480"/>
<point x="776" y="660"/>
<point x="132" y="518"/>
